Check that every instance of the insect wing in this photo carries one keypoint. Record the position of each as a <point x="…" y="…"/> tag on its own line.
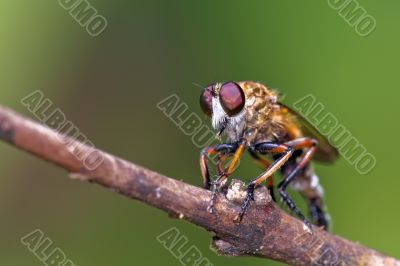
<point x="326" y="152"/>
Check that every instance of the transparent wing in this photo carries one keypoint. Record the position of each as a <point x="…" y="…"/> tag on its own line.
<point x="326" y="152"/>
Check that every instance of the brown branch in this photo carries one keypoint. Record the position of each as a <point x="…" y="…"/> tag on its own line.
<point x="266" y="231"/>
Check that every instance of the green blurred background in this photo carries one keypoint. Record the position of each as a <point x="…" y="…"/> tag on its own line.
<point x="109" y="87"/>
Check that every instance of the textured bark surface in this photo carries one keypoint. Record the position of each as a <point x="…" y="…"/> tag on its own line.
<point x="266" y="231"/>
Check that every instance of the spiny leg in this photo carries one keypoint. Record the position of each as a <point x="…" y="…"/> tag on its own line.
<point x="311" y="144"/>
<point x="264" y="164"/>
<point x="217" y="184"/>
<point x="225" y="173"/>
<point x="307" y="184"/>
<point x="287" y="152"/>
<point x="208" y="151"/>
<point x="224" y="150"/>
<point x="318" y="215"/>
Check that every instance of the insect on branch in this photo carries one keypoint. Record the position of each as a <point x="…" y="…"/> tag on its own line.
<point x="266" y="231"/>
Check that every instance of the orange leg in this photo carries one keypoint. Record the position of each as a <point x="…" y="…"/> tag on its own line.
<point x="305" y="159"/>
<point x="225" y="151"/>
<point x="235" y="161"/>
<point x="206" y="152"/>
<point x="264" y="164"/>
<point x="287" y="151"/>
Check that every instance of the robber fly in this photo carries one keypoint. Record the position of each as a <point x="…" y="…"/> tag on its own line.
<point x="253" y="119"/>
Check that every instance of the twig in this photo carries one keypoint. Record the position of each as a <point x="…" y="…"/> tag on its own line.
<point x="266" y="231"/>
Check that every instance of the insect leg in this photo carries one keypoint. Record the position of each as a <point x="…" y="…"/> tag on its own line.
<point x="223" y="158"/>
<point x="235" y="160"/>
<point x="264" y="164"/>
<point x="224" y="151"/>
<point x="287" y="152"/>
<point x="311" y="144"/>
<point x="208" y="151"/>
<point x="318" y="214"/>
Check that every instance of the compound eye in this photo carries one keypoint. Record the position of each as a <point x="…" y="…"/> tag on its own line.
<point x="232" y="98"/>
<point x="206" y="100"/>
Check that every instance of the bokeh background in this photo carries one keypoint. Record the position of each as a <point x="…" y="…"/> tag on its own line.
<point x="109" y="87"/>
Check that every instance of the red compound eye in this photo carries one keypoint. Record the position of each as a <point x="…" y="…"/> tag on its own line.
<point x="206" y="100"/>
<point x="232" y="98"/>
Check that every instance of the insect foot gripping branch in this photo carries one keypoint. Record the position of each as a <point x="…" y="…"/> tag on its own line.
<point x="237" y="193"/>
